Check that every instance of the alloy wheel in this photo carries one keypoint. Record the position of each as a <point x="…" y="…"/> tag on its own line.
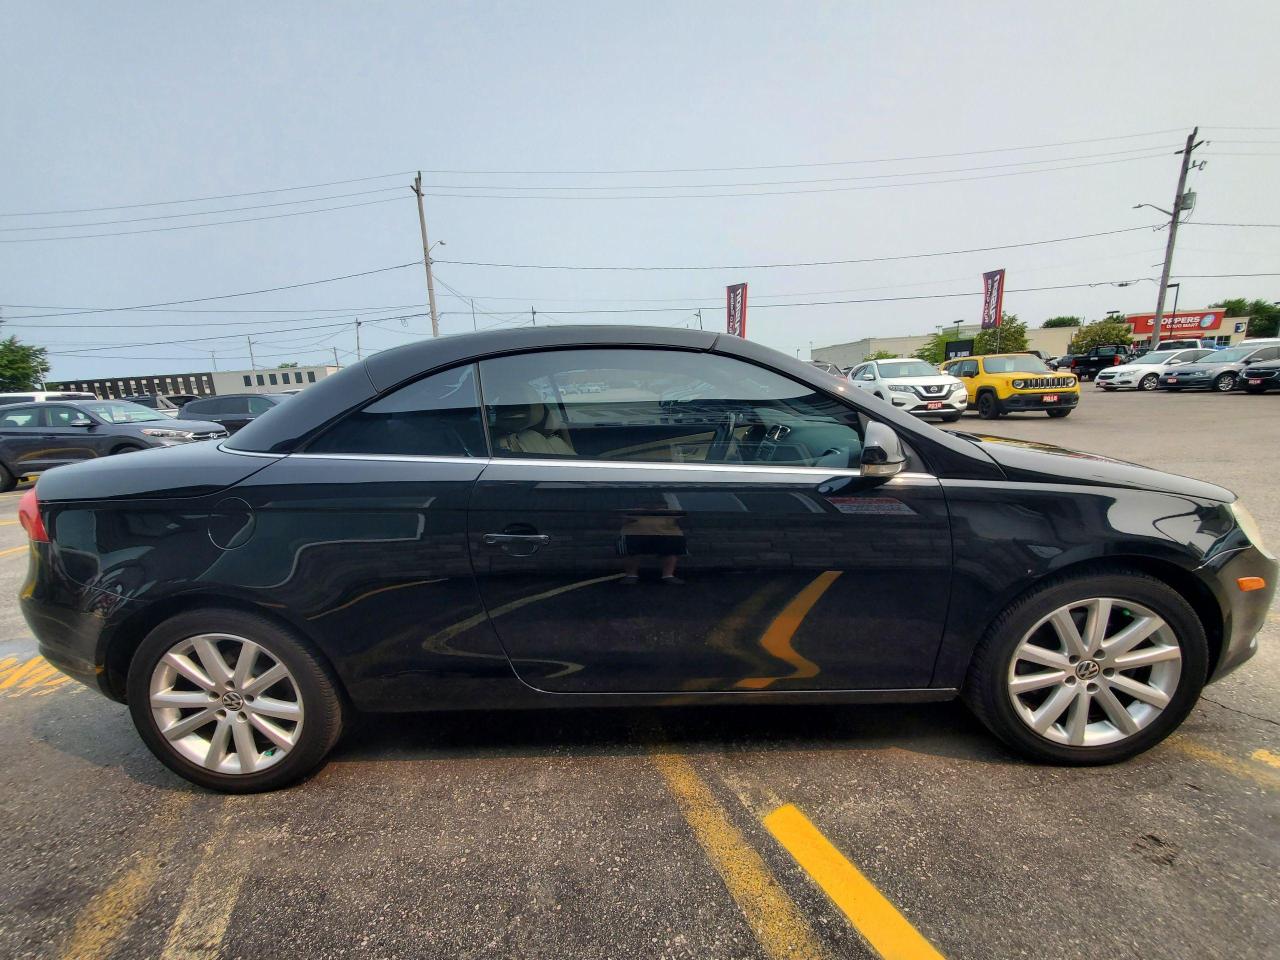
<point x="1225" y="383"/>
<point x="226" y="703"/>
<point x="1149" y="382"/>
<point x="1094" y="672"/>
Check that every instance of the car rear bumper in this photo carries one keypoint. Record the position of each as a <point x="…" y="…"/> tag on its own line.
<point x="68" y="621"/>
<point x="1246" y="611"/>
<point x="1037" y="401"/>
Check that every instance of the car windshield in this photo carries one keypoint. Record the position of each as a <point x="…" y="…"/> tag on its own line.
<point x="1233" y="355"/>
<point x="892" y="369"/>
<point x="1022" y="363"/>
<point x="121" y="411"/>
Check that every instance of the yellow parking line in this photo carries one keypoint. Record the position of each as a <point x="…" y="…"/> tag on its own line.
<point x="13" y="550"/>
<point x="201" y="924"/>
<point x="42" y="673"/>
<point x="8" y="523"/>
<point x="888" y="932"/>
<point x="10" y="677"/>
<point x="774" y="918"/>
<point x="1237" y="768"/>
<point x="1267" y="757"/>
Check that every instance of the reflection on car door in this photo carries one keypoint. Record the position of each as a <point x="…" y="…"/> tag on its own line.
<point x="681" y="536"/>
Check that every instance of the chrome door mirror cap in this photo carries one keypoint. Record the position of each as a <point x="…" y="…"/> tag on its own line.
<point x="882" y="454"/>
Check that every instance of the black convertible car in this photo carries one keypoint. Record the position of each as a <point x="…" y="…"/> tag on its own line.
<point x="627" y="515"/>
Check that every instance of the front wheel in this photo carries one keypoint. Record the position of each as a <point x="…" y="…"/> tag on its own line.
<point x="1089" y="669"/>
<point x="988" y="406"/>
<point x="231" y="701"/>
<point x="8" y="480"/>
<point x="1225" y="383"/>
<point x="1149" y="382"/>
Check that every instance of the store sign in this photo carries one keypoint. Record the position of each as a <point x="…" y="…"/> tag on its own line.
<point x="957" y="348"/>
<point x="992" y="299"/>
<point x="1186" y="324"/>
<point x="736" y="309"/>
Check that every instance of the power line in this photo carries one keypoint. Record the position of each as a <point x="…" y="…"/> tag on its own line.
<point x="221" y="196"/>
<point x="197" y="226"/>
<point x="200" y="213"/>
<point x="821" y="163"/>
<point x="221" y="296"/>
<point x="803" y="263"/>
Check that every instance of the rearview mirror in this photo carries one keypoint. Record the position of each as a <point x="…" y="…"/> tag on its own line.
<point x="882" y="454"/>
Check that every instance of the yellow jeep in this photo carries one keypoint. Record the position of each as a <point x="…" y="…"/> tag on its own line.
<point x="1000" y="383"/>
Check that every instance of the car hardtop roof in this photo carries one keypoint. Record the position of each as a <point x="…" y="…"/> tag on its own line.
<point x="901" y="359"/>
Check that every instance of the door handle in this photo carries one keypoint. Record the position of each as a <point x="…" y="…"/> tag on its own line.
<point x="499" y="539"/>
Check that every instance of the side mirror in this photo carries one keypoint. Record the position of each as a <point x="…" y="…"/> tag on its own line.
<point x="81" y="421"/>
<point x="882" y="454"/>
<point x="1249" y="360"/>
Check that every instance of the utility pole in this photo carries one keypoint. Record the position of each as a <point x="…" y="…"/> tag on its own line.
<point x="252" y="364"/>
<point x="426" y="256"/>
<point x="1173" y="236"/>
<point x="699" y="318"/>
<point x="213" y="355"/>
<point x="534" y="314"/>
<point x="473" y="314"/>
<point x="335" y="358"/>
<point x="358" y="340"/>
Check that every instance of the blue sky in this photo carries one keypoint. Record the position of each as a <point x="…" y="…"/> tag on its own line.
<point x="133" y="103"/>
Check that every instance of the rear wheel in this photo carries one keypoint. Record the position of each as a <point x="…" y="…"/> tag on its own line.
<point x="1089" y="669"/>
<point x="1149" y="382"/>
<point x="1059" y="414"/>
<point x="232" y="702"/>
<point x="988" y="406"/>
<point x="1225" y="383"/>
<point x="7" y="480"/>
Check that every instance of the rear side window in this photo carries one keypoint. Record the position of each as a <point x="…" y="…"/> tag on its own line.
<point x="437" y="416"/>
<point x="20" y="417"/>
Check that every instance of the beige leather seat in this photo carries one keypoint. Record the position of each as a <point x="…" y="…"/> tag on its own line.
<point x="524" y="424"/>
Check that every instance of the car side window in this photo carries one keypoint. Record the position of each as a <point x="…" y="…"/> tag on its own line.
<point x="259" y="405"/>
<point x="662" y="406"/>
<point x="856" y="372"/>
<point x="1267" y="353"/>
<point x="966" y="368"/>
<point x="437" y="416"/>
<point x="868" y="372"/>
<point x="59" y="416"/>
<point x="20" y="417"/>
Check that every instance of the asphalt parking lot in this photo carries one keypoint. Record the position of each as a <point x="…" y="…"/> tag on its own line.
<point x="747" y="832"/>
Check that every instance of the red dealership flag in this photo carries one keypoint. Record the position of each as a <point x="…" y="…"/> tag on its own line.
<point x="736" y="309"/>
<point x="992" y="299"/>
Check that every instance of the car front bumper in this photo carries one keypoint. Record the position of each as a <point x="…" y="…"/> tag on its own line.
<point x="911" y="403"/>
<point x="1245" y="612"/>
<point x="1036" y="401"/>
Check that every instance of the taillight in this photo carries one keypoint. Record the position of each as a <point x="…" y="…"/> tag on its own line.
<point x="1115" y="362"/>
<point x="29" y="517"/>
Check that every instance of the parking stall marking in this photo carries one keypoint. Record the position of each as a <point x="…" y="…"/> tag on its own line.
<point x="774" y="918"/>
<point x="888" y="932"/>
<point x="201" y="925"/>
<point x="36" y="676"/>
<point x="1267" y="757"/>
<point x="1237" y="768"/>
<point x="13" y="551"/>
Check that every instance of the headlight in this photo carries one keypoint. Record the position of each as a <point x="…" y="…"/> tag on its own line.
<point x="168" y="434"/>
<point x="1019" y="384"/>
<point x="1249" y="527"/>
<point x="900" y="387"/>
<point x="959" y="388"/>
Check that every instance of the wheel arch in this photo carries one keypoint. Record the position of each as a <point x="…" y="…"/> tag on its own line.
<point x="1192" y="589"/>
<point x="122" y="643"/>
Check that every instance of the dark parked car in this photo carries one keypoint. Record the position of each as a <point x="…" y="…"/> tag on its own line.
<point x="1261" y="377"/>
<point x="154" y="402"/>
<point x="1086" y="365"/>
<point x="444" y="526"/>
<point x="39" y="436"/>
<point x="1222" y="370"/>
<point x="233" y="410"/>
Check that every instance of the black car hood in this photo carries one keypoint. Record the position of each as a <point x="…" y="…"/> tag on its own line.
<point x="1028" y="461"/>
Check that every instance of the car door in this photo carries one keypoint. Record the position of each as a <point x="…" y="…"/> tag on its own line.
<point x="22" y="442"/>
<point x="700" y="523"/>
<point x="71" y="434"/>
<point x="967" y="371"/>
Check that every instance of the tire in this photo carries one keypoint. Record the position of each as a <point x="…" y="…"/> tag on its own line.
<point x="1225" y="383"/>
<point x="1149" y="382"/>
<point x="1059" y="414"/>
<point x="988" y="406"/>
<point x="308" y="687"/>
<point x="7" y="480"/>
<point x="997" y="662"/>
<point x="125" y="448"/>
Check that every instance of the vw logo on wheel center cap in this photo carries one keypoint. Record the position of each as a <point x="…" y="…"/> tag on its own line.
<point x="232" y="700"/>
<point x="1085" y="670"/>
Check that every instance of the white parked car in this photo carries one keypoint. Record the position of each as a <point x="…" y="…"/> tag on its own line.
<point x="912" y="385"/>
<point x="1143" y="371"/>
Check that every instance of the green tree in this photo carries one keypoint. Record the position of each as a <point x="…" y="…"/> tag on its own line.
<point x="1009" y="337"/>
<point x="1062" y="322"/>
<point x="291" y="363"/>
<point x="1101" y="333"/>
<point x="1265" y="315"/>
<point x="22" y="367"/>
<point x="879" y="355"/>
<point x="934" y="350"/>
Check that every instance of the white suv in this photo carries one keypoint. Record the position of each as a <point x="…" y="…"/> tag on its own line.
<point x="1143" y="371"/>
<point x="912" y="385"/>
<point x="43" y="396"/>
